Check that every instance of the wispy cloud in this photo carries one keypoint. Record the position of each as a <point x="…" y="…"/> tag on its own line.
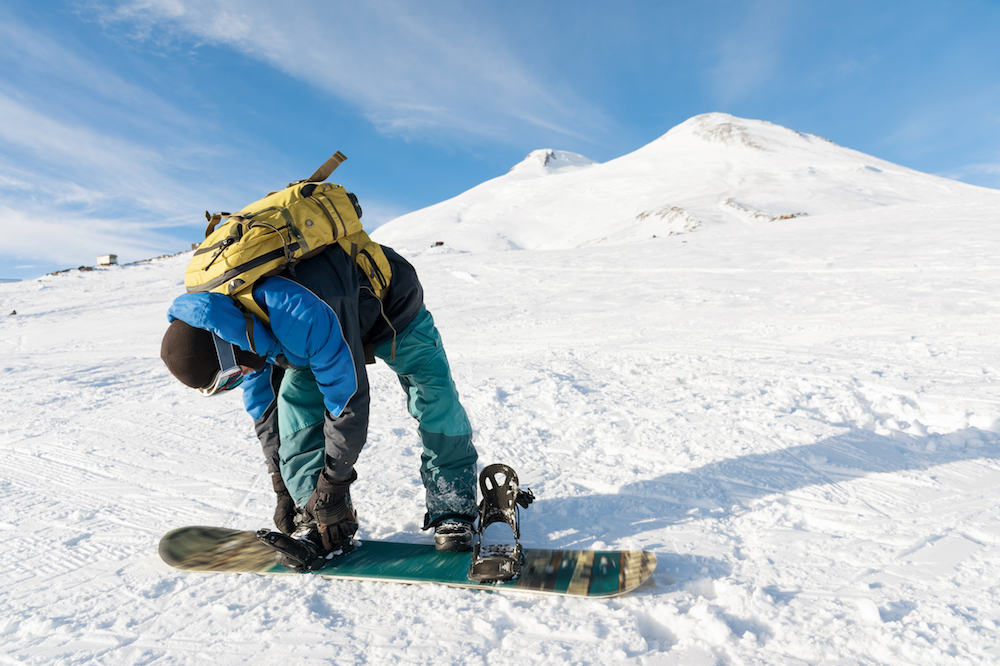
<point x="66" y="240"/>
<point x="99" y="170"/>
<point x="59" y="81"/>
<point x="96" y="140"/>
<point x="986" y="174"/>
<point x="414" y="69"/>
<point x="749" y="54"/>
<point x="89" y="161"/>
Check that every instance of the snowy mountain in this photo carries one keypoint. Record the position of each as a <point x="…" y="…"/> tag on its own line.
<point x="714" y="169"/>
<point x="799" y="416"/>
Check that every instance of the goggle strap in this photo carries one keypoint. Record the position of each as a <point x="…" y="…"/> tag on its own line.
<point x="226" y="353"/>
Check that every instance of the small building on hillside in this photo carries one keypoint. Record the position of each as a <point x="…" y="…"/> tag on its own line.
<point x="107" y="260"/>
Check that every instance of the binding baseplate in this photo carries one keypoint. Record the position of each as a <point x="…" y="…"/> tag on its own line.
<point x="501" y="498"/>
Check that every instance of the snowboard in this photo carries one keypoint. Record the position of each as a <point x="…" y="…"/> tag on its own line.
<point x="579" y="573"/>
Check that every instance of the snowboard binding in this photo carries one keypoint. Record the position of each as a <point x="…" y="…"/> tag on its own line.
<point x="302" y="550"/>
<point x="501" y="498"/>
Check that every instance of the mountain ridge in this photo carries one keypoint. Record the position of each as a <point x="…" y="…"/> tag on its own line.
<point x="713" y="169"/>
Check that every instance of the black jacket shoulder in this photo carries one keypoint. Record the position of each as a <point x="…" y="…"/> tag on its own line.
<point x="332" y="275"/>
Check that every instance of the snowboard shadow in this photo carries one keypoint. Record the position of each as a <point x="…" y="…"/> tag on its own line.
<point x="728" y="487"/>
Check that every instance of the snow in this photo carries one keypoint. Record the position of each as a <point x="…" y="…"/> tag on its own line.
<point x="800" y="416"/>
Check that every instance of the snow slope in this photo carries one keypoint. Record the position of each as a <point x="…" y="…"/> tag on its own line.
<point x="713" y="169"/>
<point x="801" y="417"/>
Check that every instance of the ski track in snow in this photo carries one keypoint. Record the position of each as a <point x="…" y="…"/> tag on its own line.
<point x="802" y="420"/>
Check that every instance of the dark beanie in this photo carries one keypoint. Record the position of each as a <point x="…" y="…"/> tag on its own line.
<point x="190" y="356"/>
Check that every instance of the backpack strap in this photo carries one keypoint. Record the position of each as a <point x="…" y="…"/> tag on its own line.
<point x="249" y="320"/>
<point x="325" y="169"/>
<point x="213" y="221"/>
<point x="248" y="317"/>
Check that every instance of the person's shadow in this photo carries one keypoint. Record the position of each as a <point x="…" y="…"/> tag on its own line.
<point x="728" y="487"/>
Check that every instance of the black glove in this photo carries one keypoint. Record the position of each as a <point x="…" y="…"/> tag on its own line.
<point x="330" y="505"/>
<point x="284" y="512"/>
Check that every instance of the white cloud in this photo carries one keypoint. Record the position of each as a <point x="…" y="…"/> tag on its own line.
<point x="749" y="55"/>
<point x="986" y="174"/>
<point x="72" y="240"/>
<point x="90" y="163"/>
<point x="414" y="69"/>
<point x="58" y="79"/>
<point x="99" y="143"/>
<point x="83" y="166"/>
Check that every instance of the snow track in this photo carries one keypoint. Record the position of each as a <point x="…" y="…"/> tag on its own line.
<point x="802" y="420"/>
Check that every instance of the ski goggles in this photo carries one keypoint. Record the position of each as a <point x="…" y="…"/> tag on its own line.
<point x="230" y="375"/>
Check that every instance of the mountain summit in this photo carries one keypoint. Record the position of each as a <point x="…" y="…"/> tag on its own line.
<point x="547" y="162"/>
<point x="710" y="170"/>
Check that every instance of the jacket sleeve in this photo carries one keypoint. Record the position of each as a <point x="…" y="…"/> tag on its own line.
<point x="218" y="313"/>
<point x="260" y="397"/>
<point x="325" y="335"/>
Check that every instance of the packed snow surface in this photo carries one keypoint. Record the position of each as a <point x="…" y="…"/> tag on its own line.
<point x="800" y="416"/>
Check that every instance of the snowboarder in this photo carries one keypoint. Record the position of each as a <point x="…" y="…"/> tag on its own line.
<point x="306" y="388"/>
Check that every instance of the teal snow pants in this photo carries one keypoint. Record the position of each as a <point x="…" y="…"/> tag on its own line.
<point x="448" y="460"/>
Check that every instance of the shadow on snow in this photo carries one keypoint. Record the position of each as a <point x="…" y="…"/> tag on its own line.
<point x="728" y="487"/>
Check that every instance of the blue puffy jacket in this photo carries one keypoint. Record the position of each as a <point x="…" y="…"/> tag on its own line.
<point x="322" y="317"/>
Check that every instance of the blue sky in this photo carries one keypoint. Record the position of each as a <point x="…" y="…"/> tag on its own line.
<point x="121" y="122"/>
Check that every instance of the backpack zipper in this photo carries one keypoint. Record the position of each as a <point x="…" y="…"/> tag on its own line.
<point x="376" y="273"/>
<point x="222" y="248"/>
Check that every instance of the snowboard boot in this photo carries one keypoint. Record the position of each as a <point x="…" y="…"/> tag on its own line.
<point x="454" y="536"/>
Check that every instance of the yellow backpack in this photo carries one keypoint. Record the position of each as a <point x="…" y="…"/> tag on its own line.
<point x="279" y="231"/>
